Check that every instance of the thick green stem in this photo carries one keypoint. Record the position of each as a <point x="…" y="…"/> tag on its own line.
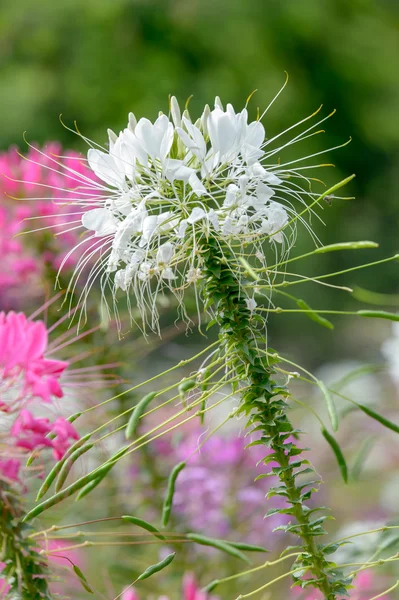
<point x="25" y="569"/>
<point x="263" y="402"/>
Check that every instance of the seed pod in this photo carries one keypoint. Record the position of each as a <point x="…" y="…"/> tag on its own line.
<point x="211" y="586"/>
<point x="136" y="414"/>
<point x="144" y="524"/>
<point x="93" y="484"/>
<point x="67" y="465"/>
<point x="247" y="547"/>
<point x="157" y="567"/>
<point x="73" y="417"/>
<point x="186" y="386"/>
<point x="67" y="492"/>
<point x="167" y="505"/>
<point x="219" y="544"/>
<point x="58" y="466"/>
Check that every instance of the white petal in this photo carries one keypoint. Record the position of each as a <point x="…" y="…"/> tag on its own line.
<point x="182" y="228"/>
<point x="196" y="184"/>
<point x="165" y="253"/>
<point x="175" y="111"/>
<point x="197" y="214"/>
<point x="255" y="134"/>
<point x="272" y="178"/>
<point x="132" y="122"/>
<point x="100" y="220"/>
<point x="149" y="225"/>
<point x="213" y="219"/>
<point x="168" y="274"/>
<point x="105" y="168"/>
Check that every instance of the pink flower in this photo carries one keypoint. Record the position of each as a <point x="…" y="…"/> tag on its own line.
<point x="129" y="594"/>
<point x="9" y="468"/>
<point x="51" y="176"/>
<point x="190" y="591"/>
<point x="4" y="587"/>
<point x="23" y="344"/>
<point x="33" y="433"/>
<point x="64" y="432"/>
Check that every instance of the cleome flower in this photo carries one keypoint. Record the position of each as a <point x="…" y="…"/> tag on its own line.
<point x="166" y="187"/>
<point x="33" y="381"/>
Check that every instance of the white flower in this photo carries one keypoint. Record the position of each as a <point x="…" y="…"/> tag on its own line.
<point x="165" y="254"/>
<point x="165" y="187"/>
<point x="275" y="222"/>
<point x="251" y="304"/>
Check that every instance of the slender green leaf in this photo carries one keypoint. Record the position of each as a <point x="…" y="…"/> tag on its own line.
<point x="374" y="415"/>
<point x="332" y="411"/>
<point x="338" y="454"/>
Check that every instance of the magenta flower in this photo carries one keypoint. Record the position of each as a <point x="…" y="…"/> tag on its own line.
<point x="9" y="469"/>
<point x="23" y="365"/>
<point x="33" y="433"/>
<point x="47" y="183"/>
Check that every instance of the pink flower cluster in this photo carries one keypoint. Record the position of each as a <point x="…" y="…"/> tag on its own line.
<point x="190" y="591"/>
<point x="27" y="374"/>
<point x="22" y="361"/>
<point x="45" y="184"/>
<point x="211" y="493"/>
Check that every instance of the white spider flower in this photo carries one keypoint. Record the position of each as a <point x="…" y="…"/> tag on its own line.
<point x="163" y="188"/>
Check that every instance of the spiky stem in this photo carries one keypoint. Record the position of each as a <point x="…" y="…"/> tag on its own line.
<point x="25" y="570"/>
<point x="241" y="335"/>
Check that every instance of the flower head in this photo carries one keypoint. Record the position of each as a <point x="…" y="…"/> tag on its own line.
<point x="167" y="187"/>
<point x="23" y="364"/>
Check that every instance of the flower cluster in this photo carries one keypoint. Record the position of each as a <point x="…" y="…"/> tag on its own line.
<point x="46" y="181"/>
<point x="24" y="369"/>
<point x="167" y="186"/>
<point x="27" y="374"/>
<point x="218" y="498"/>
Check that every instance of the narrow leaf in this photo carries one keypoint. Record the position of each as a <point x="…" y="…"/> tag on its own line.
<point x="332" y="411"/>
<point x="338" y="454"/>
<point x="374" y="415"/>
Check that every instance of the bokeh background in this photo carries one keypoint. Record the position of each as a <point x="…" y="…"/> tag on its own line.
<point x="95" y="61"/>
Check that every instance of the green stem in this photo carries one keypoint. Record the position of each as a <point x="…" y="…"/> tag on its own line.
<point x="263" y="402"/>
<point x="25" y="569"/>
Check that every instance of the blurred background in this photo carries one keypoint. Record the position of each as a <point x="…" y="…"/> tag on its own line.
<point x="95" y="61"/>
